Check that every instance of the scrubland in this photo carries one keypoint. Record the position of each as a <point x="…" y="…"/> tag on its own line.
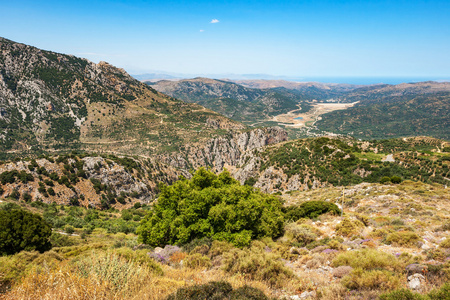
<point x="363" y="253"/>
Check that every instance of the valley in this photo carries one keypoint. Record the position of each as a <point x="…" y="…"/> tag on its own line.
<point x="111" y="188"/>
<point x="295" y="119"/>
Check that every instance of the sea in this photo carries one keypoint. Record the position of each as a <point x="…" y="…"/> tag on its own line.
<point x="373" y="80"/>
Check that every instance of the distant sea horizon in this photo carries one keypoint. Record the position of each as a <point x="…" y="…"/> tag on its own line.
<point x="371" y="80"/>
<point x="359" y="80"/>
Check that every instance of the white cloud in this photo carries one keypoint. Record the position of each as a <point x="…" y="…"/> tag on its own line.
<point x="201" y="30"/>
<point x="214" y="21"/>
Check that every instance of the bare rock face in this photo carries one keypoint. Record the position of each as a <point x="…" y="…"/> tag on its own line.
<point x="115" y="176"/>
<point x="226" y="150"/>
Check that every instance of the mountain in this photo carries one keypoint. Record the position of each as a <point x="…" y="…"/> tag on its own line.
<point x="51" y="101"/>
<point x="411" y="109"/>
<point x="230" y="99"/>
<point x="307" y="90"/>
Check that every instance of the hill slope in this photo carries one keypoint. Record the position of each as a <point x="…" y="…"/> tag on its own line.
<point x="231" y="99"/>
<point x="394" y="111"/>
<point x="51" y="101"/>
<point x="318" y="162"/>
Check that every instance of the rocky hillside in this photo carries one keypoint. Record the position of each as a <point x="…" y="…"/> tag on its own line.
<point x="51" y="101"/>
<point x="230" y="99"/>
<point x="108" y="180"/>
<point x="318" y="162"/>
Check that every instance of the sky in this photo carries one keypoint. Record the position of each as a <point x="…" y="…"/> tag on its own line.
<point x="283" y="38"/>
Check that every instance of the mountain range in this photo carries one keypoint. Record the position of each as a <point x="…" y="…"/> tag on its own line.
<point x="380" y="111"/>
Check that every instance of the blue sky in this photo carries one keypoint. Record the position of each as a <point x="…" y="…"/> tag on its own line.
<point x="291" y="38"/>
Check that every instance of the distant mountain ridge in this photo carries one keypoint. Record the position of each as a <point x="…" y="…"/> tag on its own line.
<point x="230" y="99"/>
<point x="382" y="110"/>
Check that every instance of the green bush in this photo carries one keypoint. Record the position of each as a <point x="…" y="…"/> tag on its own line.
<point x="396" y="179"/>
<point x="214" y="206"/>
<point x="385" y="179"/>
<point x="22" y="230"/>
<point x="311" y="209"/>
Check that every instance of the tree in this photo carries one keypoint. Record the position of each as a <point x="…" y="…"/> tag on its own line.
<point x="214" y="206"/>
<point x="22" y="230"/>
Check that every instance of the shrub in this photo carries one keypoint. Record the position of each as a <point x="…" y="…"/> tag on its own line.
<point x="61" y="240"/>
<point x="436" y="254"/>
<point x="217" y="290"/>
<point x="374" y="279"/>
<point x="15" y="194"/>
<point x="396" y="179"/>
<point x="310" y="209"/>
<point x="22" y="230"/>
<point x="126" y="215"/>
<point x="69" y="229"/>
<point x="139" y="257"/>
<point x="445" y="243"/>
<point x="385" y="179"/>
<point x="14" y="267"/>
<point x="349" y="227"/>
<point x="203" y="250"/>
<point x="197" y="261"/>
<point x="401" y="294"/>
<point x="342" y="271"/>
<point x="214" y="206"/>
<point x="403" y="238"/>
<point x="51" y="192"/>
<point x="257" y="264"/>
<point x="367" y="259"/>
<point x="300" y="234"/>
<point x="442" y="293"/>
<point x="219" y="248"/>
<point x="118" y="273"/>
<point x="26" y="197"/>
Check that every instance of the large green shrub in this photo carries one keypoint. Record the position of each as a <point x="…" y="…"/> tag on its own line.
<point x="214" y="206"/>
<point x="22" y="230"/>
